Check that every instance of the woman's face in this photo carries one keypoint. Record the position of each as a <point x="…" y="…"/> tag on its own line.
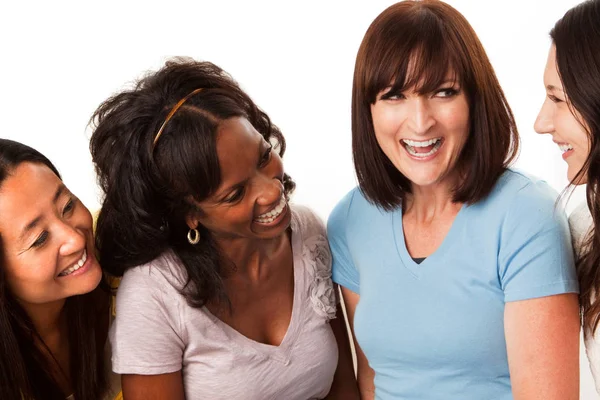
<point x="47" y="239"/>
<point x="250" y="202"/>
<point x="423" y="134"/>
<point x="558" y="119"/>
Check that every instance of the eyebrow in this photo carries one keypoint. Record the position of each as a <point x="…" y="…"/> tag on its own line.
<point x="241" y="183"/>
<point x="61" y="189"/>
<point x="552" y="87"/>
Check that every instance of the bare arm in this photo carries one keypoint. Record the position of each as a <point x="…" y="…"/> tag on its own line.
<point x="344" y="386"/>
<point x="364" y="373"/>
<point x="153" y="387"/>
<point x="542" y="340"/>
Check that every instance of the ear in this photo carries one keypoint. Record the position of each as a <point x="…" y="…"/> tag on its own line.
<point x="192" y="220"/>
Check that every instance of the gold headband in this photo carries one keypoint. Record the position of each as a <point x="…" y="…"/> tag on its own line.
<point x="171" y="113"/>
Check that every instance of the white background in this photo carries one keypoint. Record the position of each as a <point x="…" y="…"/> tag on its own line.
<point x="59" y="60"/>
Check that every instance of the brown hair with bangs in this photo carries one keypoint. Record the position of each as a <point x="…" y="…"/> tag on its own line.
<point x="416" y="44"/>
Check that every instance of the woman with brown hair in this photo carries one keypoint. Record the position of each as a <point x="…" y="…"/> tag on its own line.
<point x="456" y="271"/>
<point x="571" y="114"/>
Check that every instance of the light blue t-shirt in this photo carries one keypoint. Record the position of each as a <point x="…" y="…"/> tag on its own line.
<point x="435" y="330"/>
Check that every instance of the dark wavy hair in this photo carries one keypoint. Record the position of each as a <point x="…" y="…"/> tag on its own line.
<point x="25" y="370"/>
<point x="577" y="39"/>
<point x="437" y="39"/>
<point x="147" y="189"/>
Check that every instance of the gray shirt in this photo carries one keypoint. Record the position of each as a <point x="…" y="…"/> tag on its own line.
<point x="157" y="332"/>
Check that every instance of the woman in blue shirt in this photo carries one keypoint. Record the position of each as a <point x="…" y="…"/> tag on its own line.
<point x="456" y="271"/>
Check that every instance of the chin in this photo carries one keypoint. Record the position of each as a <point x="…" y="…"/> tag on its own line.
<point x="89" y="281"/>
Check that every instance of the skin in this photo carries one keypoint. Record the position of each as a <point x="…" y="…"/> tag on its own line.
<point x="542" y="348"/>
<point x="261" y="288"/>
<point x="45" y="229"/>
<point x="558" y="119"/>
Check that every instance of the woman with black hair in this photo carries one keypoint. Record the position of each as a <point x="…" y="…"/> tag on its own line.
<point x="226" y="290"/>
<point x="54" y="316"/>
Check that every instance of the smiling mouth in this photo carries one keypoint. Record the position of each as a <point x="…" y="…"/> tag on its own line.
<point x="272" y="215"/>
<point x="422" y="149"/>
<point x="80" y="263"/>
<point x="564" y="147"/>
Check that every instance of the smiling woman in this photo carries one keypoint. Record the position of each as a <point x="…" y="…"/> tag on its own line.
<point x="571" y="115"/>
<point x="53" y="315"/>
<point x="463" y="264"/>
<point x="226" y="289"/>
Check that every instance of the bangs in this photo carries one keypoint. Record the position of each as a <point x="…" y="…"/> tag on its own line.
<point x="418" y="55"/>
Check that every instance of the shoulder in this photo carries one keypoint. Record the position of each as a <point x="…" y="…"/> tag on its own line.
<point x="163" y="274"/>
<point x="306" y="220"/>
<point x="518" y="195"/>
<point x="580" y="223"/>
<point x="353" y="206"/>
<point x="525" y="187"/>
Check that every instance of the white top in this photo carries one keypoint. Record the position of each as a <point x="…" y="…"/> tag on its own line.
<point x="157" y="332"/>
<point x="580" y="222"/>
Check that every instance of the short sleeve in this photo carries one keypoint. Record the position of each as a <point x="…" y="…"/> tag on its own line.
<point x="344" y="272"/>
<point x="536" y="256"/>
<point x="145" y="335"/>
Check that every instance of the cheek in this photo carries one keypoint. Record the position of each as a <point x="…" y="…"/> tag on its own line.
<point x="455" y="119"/>
<point x="31" y="279"/>
<point x="386" y="121"/>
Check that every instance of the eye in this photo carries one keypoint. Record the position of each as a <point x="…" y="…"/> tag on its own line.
<point x="390" y="95"/>
<point x="69" y="207"/>
<point x="555" y="99"/>
<point x="266" y="157"/>
<point x="236" y="195"/>
<point x="40" y="240"/>
<point x="446" y="92"/>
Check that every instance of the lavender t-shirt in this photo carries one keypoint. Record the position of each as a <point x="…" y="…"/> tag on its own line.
<point x="157" y="332"/>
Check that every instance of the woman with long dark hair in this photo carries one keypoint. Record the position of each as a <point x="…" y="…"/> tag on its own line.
<point x="571" y="114"/>
<point x="54" y="316"/>
<point x="226" y="290"/>
<point x="456" y="270"/>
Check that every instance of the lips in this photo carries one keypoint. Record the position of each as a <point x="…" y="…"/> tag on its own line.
<point x="275" y="212"/>
<point x="80" y="263"/>
<point x="422" y="149"/>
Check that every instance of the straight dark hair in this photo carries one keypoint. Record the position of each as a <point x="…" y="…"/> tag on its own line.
<point x="577" y="39"/>
<point x="416" y="44"/>
<point x="25" y="370"/>
<point x="148" y="189"/>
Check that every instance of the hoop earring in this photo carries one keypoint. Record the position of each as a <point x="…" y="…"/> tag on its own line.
<point x="193" y="236"/>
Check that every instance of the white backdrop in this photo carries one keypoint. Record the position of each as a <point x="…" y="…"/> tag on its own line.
<point x="59" y="60"/>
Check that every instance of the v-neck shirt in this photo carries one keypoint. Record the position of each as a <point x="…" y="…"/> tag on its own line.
<point x="437" y="328"/>
<point x="157" y="332"/>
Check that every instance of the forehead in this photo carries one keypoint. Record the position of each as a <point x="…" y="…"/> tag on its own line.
<point x="551" y="76"/>
<point x="237" y="148"/>
<point x="26" y="193"/>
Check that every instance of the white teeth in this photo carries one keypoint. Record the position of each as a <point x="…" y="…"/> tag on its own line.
<point x="564" y="147"/>
<point x="426" y="143"/>
<point x="75" y="266"/>
<point x="274" y="213"/>
<point x="411" y="149"/>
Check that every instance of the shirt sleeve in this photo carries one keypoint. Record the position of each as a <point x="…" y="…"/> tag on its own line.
<point x="536" y="256"/>
<point x="344" y="271"/>
<point x="145" y="335"/>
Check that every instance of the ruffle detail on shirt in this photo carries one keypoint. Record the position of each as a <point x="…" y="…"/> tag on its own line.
<point x="321" y="290"/>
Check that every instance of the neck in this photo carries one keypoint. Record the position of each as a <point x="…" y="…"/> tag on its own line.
<point x="428" y="202"/>
<point x="251" y="256"/>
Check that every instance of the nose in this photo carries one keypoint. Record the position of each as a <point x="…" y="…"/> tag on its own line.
<point x="421" y="117"/>
<point x="270" y="190"/>
<point x="544" y="121"/>
<point x="72" y="239"/>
